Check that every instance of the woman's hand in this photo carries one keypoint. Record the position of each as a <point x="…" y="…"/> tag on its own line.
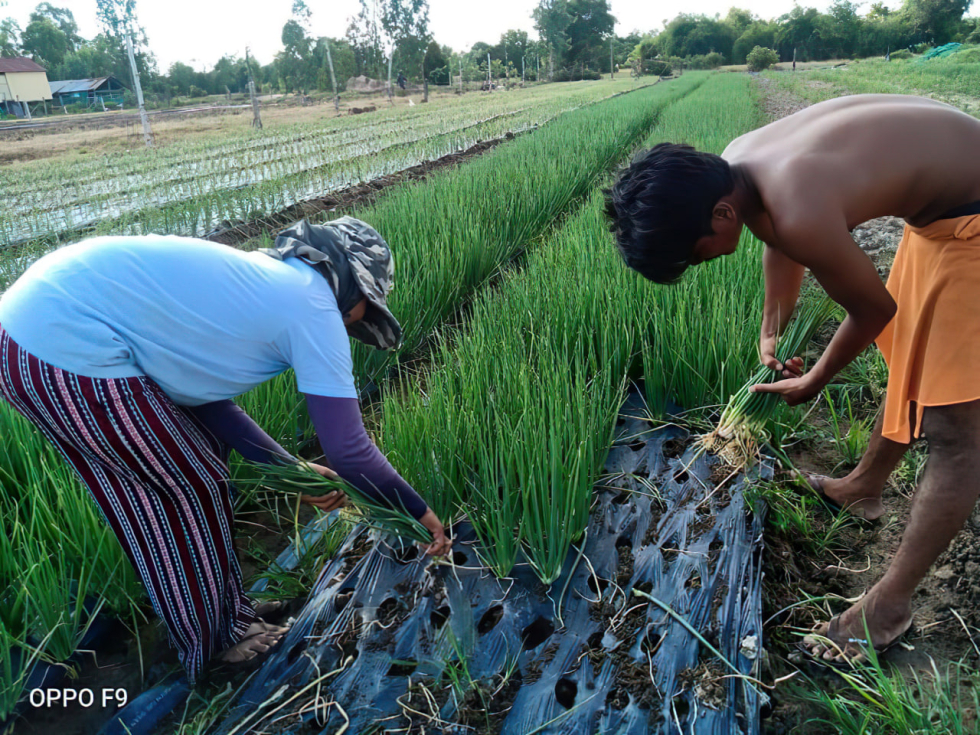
<point x="441" y="544"/>
<point x="330" y="501"/>
<point x="794" y="390"/>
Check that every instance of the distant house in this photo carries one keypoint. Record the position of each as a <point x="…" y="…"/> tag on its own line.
<point x="89" y="92"/>
<point x="22" y="82"/>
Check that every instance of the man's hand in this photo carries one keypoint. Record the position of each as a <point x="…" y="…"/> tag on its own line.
<point x="330" y="501"/>
<point x="441" y="544"/>
<point x="793" y="390"/>
<point x="767" y="348"/>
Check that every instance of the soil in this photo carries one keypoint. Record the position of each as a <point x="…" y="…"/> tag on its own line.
<point x="360" y="195"/>
<point x="76" y="137"/>
<point x="776" y="102"/>
<point x="860" y="552"/>
<point x="631" y="678"/>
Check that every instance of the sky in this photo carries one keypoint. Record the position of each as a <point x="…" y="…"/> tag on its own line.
<point x="199" y="32"/>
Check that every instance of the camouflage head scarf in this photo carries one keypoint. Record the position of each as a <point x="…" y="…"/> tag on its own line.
<point x="357" y="263"/>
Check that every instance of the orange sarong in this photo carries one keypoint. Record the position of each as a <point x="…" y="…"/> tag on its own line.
<point x="932" y="345"/>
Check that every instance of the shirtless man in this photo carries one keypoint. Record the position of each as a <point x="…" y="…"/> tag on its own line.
<point x="800" y="185"/>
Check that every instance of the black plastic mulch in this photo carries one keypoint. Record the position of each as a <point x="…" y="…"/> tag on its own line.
<point x="389" y="641"/>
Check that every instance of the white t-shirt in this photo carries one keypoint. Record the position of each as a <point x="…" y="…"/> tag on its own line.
<point x="205" y="321"/>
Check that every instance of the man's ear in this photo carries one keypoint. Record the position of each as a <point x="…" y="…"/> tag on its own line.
<point x="724" y="210"/>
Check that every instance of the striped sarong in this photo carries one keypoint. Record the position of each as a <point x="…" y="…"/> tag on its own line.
<point x="160" y="479"/>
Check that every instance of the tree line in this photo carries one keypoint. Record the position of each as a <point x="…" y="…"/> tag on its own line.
<point x="392" y="37"/>
<point x="842" y="32"/>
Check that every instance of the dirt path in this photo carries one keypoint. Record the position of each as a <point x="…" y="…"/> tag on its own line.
<point x="860" y="552"/>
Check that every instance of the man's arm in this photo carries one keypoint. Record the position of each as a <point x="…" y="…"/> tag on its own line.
<point x="849" y="278"/>
<point x="783" y="279"/>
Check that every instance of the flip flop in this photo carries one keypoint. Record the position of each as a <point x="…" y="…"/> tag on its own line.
<point x="813" y="481"/>
<point x="842" y="660"/>
<point x="829" y="503"/>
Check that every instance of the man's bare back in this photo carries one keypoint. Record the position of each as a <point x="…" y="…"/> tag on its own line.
<point x="862" y="157"/>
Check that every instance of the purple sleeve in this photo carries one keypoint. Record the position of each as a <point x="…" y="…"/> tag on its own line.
<point x="234" y="427"/>
<point x="351" y="454"/>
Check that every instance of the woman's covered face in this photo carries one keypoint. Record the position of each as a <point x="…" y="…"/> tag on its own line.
<point x="356" y="313"/>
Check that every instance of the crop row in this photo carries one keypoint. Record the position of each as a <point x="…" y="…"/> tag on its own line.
<point x="451" y="233"/>
<point x="517" y="413"/>
<point x="190" y="188"/>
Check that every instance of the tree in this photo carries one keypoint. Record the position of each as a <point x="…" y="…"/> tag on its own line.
<point x="436" y="65"/>
<point x="690" y="35"/>
<point x="552" y="19"/>
<point x="9" y="38"/>
<point x="344" y="62"/>
<point x="588" y="33"/>
<point x="64" y="19"/>
<point x="739" y="20"/>
<point x="44" y="42"/>
<point x="511" y="47"/>
<point x="384" y="26"/>
<point x="796" y="30"/>
<point x="118" y="18"/>
<point x="878" y="11"/>
<point x="837" y="32"/>
<point x="936" y="21"/>
<point x="100" y="57"/>
<point x="760" y="33"/>
<point x="181" y="77"/>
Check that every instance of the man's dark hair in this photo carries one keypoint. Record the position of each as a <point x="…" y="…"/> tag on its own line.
<point x="661" y="205"/>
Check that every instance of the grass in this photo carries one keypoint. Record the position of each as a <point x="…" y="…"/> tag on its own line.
<point x="877" y="700"/>
<point x="954" y="79"/>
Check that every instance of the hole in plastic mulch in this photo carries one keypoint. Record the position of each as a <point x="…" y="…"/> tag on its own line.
<point x="681" y="708"/>
<point x="459" y="558"/>
<point x="537" y="633"/>
<point x="407" y="554"/>
<point x="565" y="691"/>
<point x="439" y="616"/>
<point x="650" y="642"/>
<point x="296" y="650"/>
<point x="402" y="668"/>
<point x="490" y="619"/>
<point x="600" y="587"/>
<point x="340" y="602"/>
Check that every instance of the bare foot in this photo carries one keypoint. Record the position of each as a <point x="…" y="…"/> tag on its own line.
<point x="259" y="638"/>
<point x="844" y="637"/>
<point x="856" y="502"/>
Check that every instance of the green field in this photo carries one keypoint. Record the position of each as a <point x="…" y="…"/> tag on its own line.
<point x="523" y="332"/>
